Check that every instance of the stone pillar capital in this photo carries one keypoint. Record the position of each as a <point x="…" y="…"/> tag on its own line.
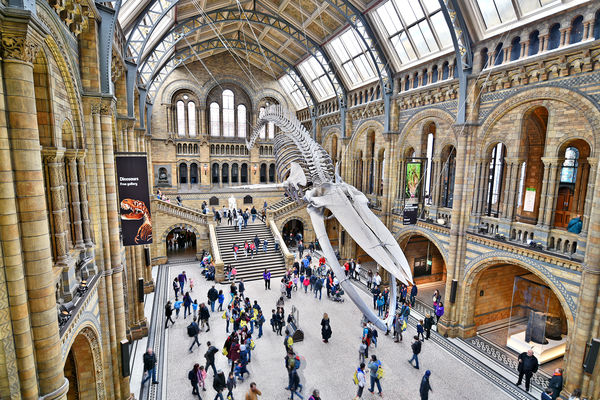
<point x="53" y="154"/>
<point x="551" y="160"/>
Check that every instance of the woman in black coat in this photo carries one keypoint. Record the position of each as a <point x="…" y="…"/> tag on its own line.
<point x="325" y="328"/>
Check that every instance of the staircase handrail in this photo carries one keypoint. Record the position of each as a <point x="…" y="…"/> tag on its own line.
<point x="289" y="257"/>
<point x="189" y="213"/>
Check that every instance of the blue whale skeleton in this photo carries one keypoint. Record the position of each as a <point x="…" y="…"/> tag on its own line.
<point x="308" y="177"/>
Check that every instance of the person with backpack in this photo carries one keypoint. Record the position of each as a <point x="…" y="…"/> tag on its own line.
<point x="416" y="349"/>
<point x="260" y="320"/>
<point x="168" y="314"/>
<point x="360" y="379"/>
<point x="182" y="278"/>
<point x="204" y="316"/>
<point x="425" y="387"/>
<point x="288" y="341"/>
<point x="375" y="373"/>
<point x="209" y="356"/>
<point x="193" y="377"/>
<point x="292" y="363"/>
<point x="219" y="384"/>
<point x="193" y="330"/>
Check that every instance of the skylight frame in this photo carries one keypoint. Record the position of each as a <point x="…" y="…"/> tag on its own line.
<point x="352" y="59"/>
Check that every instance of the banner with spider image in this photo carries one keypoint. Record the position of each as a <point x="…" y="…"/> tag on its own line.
<point x="134" y="198"/>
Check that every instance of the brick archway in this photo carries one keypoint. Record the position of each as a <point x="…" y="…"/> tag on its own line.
<point x="477" y="267"/>
<point x="84" y="367"/>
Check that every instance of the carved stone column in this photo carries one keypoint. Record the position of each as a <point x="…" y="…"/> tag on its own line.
<point x="53" y="159"/>
<point x="19" y="47"/>
<point x="75" y="203"/>
<point x="551" y="168"/>
<point x="510" y="183"/>
<point x="83" y="199"/>
<point x="591" y="184"/>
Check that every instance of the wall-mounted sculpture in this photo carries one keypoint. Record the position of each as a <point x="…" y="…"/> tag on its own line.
<point x="307" y="175"/>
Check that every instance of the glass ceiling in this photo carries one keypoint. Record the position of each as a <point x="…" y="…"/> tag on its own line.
<point x="317" y="79"/>
<point x="288" y="85"/>
<point x="415" y="28"/>
<point x="349" y="52"/>
<point x="499" y="12"/>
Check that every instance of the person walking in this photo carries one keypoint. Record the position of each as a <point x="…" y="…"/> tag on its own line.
<point x="362" y="351"/>
<point x="413" y="295"/>
<point x="421" y="330"/>
<point x="241" y="288"/>
<point x="416" y="349"/>
<point x="193" y="377"/>
<point x="221" y="298"/>
<point x="315" y="395"/>
<point x="425" y="386"/>
<point x="182" y="278"/>
<point x="176" y="288"/>
<point x="267" y="279"/>
<point x="296" y="386"/>
<point x="300" y="249"/>
<point x="399" y="326"/>
<point x="325" y="328"/>
<point x="187" y="304"/>
<point x="235" y="249"/>
<point x="265" y="245"/>
<point x="439" y="311"/>
<point x="374" y="366"/>
<point x="260" y="320"/>
<point x="360" y="380"/>
<point x="528" y="365"/>
<point x="230" y="386"/>
<point x="212" y="295"/>
<point x="149" y="366"/>
<point x="556" y="383"/>
<point x="219" y="384"/>
<point x="204" y="316"/>
<point x="210" y="357"/>
<point x="193" y="331"/>
<point x="253" y="392"/>
<point x="168" y="314"/>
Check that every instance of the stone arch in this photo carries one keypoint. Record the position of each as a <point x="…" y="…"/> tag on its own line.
<point x="479" y="264"/>
<point x="181" y="85"/>
<point x="232" y="80"/>
<point x="181" y="225"/>
<point x="443" y="144"/>
<point x="363" y="128"/>
<point x="267" y="92"/>
<point x="547" y="97"/>
<point x="417" y="230"/>
<point x="305" y="223"/>
<point x="84" y="360"/>
<point x="420" y="119"/>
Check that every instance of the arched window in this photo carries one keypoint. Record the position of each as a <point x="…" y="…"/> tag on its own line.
<point x="434" y="74"/>
<point x="406" y="84"/>
<point x="554" y="37"/>
<point x="597" y="25"/>
<point x="241" y="110"/>
<point x="534" y="43"/>
<point x="515" y="49"/>
<point x="235" y="173"/>
<point x="381" y="171"/>
<point x="215" y="173"/>
<point x="271" y="130"/>
<point x="183" y="173"/>
<point x="484" y="58"/>
<point x="415" y="80"/>
<point x="185" y="148"/>
<point x="263" y="132"/>
<point x="192" y="118"/>
<point x="244" y="173"/>
<point x="263" y="173"/>
<point x="495" y="179"/>
<point x="179" y="147"/>
<point x="194" y="173"/>
<point x="521" y="183"/>
<point x="430" y="134"/>
<point x="215" y="121"/>
<point x="499" y="54"/>
<point x="180" y="118"/>
<point x="371" y="158"/>
<point x="448" y="170"/>
<point x="225" y="173"/>
<point x="576" y="30"/>
<point x="425" y="77"/>
<point x="568" y="172"/>
<point x="228" y="114"/>
<point x="272" y="173"/>
<point x="445" y="71"/>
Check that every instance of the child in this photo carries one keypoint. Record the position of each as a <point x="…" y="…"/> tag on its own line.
<point x="195" y="308"/>
<point x="221" y="299"/>
<point x="233" y="273"/>
<point x="201" y="377"/>
<point x="295" y="280"/>
<point x="191" y="281"/>
<point x="420" y="330"/>
<point x="362" y="350"/>
<point x="230" y="385"/>
<point x="306" y="282"/>
<point x="177" y="306"/>
<point x="235" y="249"/>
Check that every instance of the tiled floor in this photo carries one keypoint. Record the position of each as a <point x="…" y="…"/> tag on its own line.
<point x="327" y="367"/>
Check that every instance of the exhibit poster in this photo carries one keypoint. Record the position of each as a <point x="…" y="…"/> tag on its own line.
<point x="529" y="203"/>
<point x="413" y="179"/>
<point x="134" y="199"/>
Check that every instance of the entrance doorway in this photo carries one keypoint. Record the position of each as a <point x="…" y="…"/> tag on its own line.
<point x="80" y="370"/>
<point x="181" y="243"/>
<point x="292" y="231"/>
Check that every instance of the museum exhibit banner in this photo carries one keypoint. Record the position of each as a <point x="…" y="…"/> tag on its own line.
<point x="134" y="198"/>
<point x="413" y="179"/>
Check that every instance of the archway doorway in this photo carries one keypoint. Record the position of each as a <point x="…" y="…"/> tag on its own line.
<point x="80" y="368"/>
<point x="292" y="231"/>
<point x="181" y="244"/>
<point x="515" y="309"/>
<point x="427" y="265"/>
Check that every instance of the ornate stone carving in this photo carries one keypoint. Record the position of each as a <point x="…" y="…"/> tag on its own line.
<point x="18" y="48"/>
<point x="106" y="109"/>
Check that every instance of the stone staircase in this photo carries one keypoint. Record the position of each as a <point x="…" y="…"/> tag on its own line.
<point x="250" y="268"/>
